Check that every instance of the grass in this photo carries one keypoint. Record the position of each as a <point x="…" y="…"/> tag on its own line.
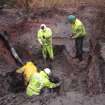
<point x="32" y="4"/>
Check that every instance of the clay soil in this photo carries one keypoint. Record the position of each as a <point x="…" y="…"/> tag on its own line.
<point x="83" y="82"/>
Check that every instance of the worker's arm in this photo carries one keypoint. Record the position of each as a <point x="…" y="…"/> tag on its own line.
<point x="50" y="84"/>
<point x="79" y="31"/>
<point x="20" y="70"/>
<point x="48" y="33"/>
<point x="39" y="36"/>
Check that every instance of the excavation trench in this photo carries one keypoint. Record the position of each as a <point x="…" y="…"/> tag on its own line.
<point x="12" y="83"/>
<point x="86" y="77"/>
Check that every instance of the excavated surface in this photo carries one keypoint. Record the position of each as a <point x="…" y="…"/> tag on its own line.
<point x="76" y="76"/>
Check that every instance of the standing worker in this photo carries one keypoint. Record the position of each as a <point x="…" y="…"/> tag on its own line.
<point x="45" y="39"/>
<point x="39" y="81"/>
<point x="28" y="69"/>
<point x="78" y="33"/>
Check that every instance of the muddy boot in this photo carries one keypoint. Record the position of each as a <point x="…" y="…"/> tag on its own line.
<point x="50" y="64"/>
<point x="75" y="57"/>
<point x="45" y="62"/>
<point x="80" y="58"/>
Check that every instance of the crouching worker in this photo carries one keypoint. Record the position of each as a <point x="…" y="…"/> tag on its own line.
<point x="39" y="81"/>
<point x="28" y="69"/>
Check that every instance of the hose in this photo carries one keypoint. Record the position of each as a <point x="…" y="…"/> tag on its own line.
<point x="5" y="36"/>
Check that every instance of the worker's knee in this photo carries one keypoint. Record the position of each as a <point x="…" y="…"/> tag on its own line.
<point x="51" y="55"/>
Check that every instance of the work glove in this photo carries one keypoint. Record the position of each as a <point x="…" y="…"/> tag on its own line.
<point x="43" y="37"/>
<point x="71" y="35"/>
<point x="59" y="84"/>
<point x="66" y="22"/>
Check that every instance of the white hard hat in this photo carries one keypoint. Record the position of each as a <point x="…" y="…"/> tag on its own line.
<point x="47" y="70"/>
<point x="42" y="25"/>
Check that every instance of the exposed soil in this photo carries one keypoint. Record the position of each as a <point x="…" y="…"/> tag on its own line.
<point x="80" y="79"/>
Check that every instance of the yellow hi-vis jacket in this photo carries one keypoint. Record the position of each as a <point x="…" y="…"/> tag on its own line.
<point x="28" y="69"/>
<point x="45" y="36"/>
<point x="37" y="82"/>
<point x="78" y="29"/>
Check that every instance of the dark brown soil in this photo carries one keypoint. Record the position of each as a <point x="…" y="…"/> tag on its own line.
<point x="79" y="78"/>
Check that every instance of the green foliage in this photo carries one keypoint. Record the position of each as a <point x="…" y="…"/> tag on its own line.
<point x="32" y="4"/>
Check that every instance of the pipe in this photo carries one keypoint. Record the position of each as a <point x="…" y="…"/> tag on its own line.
<point x="5" y="36"/>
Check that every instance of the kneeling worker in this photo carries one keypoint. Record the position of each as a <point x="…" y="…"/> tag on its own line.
<point x="28" y="69"/>
<point x="39" y="81"/>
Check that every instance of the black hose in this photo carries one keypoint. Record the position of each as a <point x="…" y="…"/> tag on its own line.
<point x="5" y="36"/>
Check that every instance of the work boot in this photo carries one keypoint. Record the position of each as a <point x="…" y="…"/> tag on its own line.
<point x="44" y="62"/>
<point x="80" y="58"/>
<point x="50" y="63"/>
<point x="75" y="57"/>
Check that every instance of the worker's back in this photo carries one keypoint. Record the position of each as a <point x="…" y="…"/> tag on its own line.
<point x="28" y="69"/>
